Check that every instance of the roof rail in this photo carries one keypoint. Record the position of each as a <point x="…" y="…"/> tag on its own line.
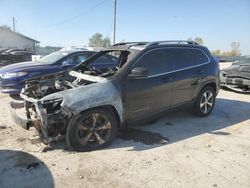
<point x="130" y="43"/>
<point x="171" y="41"/>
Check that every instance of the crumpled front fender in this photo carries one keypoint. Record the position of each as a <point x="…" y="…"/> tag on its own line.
<point x="94" y="95"/>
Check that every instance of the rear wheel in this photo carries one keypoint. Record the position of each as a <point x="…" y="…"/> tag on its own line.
<point x="94" y="129"/>
<point x="205" y="102"/>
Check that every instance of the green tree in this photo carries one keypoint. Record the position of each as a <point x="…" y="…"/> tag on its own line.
<point x="199" y="40"/>
<point x="97" y="40"/>
<point x="216" y="52"/>
<point x="106" y="42"/>
<point x="235" y="48"/>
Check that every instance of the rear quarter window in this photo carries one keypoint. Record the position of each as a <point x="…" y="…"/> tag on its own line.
<point x="200" y="57"/>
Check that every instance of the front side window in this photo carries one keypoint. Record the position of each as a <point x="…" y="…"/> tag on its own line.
<point x="156" y="61"/>
<point x="183" y="58"/>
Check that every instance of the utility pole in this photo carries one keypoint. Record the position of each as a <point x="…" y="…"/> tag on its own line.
<point x="114" y="22"/>
<point x="13" y="24"/>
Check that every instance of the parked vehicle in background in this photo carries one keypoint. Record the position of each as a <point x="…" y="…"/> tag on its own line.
<point x="10" y="56"/>
<point x="89" y="106"/>
<point x="3" y="50"/>
<point x="237" y="76"/>
<point x="12" y="77"/>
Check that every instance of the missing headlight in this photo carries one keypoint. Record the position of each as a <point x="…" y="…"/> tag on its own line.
<point x="52" y="105"/>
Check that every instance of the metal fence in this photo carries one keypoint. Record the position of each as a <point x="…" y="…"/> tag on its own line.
<point x="228" y="58"/>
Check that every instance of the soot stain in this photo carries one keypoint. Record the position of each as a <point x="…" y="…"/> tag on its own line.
<point x="145" y="137"/>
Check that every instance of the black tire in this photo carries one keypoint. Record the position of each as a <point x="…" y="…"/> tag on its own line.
<point x="200" y="105"/>
<point x="91" y="130"/>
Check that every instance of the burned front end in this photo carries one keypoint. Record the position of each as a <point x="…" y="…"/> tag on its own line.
<point x="50" y="102"/>
<point x="236" y="78"/>
<point x="40" y="110"/>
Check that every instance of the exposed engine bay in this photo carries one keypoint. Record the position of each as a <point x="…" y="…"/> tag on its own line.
<point x="41" y="87"/>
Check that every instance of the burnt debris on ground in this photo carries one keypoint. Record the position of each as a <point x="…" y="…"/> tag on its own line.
<point x="145" y="137"/>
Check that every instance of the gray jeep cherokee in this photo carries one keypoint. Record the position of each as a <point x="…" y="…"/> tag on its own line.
<point x="88" y="106"/>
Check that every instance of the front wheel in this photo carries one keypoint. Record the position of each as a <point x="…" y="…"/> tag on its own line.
<point x="91" y="130"/>
<point x="205" y="102"/>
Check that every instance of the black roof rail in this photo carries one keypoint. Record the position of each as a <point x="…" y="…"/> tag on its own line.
<point x="130" y="43"/>
<point x="171" y="41"/>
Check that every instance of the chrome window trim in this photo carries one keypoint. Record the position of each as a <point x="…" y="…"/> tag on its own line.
<point x="173" y="71"/>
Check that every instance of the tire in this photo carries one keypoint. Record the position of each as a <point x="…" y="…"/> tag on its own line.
<point x="91" y="130"/>
<point x="205" y="102"/>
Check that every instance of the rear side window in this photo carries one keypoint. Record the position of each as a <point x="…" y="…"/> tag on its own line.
<point x="156" y="61"/>
<point x="200" y="57"/>
<point x="183" y="58"/>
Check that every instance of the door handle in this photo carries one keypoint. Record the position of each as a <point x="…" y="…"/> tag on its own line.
<point x="167" y="79"/>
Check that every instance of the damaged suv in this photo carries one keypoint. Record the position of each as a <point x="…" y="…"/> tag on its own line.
<point x="90" y="106"/>
<point x="237" y="76"/>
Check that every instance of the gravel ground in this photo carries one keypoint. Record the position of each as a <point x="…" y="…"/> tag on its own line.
<point x="178" y="150"/>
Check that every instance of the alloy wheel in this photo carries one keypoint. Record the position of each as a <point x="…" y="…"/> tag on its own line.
<point x="207" y="101"/>
<point x="93" y="130"/>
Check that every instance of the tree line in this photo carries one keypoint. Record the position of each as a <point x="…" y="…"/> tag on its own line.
<point x="97" y="40"/>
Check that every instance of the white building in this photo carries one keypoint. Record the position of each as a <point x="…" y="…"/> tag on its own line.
<point x="13" y="40"/>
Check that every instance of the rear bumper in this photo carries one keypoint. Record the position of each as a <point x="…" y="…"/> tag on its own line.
<point x="19" y="118"/>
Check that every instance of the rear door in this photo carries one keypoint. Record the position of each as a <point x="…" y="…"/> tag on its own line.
<point x="151" y="94"/>
<point x="185" y="75"/>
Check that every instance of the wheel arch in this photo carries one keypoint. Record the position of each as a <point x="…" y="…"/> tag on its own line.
<point x="212" y="84"/>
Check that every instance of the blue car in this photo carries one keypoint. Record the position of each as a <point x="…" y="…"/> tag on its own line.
<point x="13" y="77"/>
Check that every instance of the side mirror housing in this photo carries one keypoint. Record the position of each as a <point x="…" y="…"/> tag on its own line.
<point x="138" y="72"/>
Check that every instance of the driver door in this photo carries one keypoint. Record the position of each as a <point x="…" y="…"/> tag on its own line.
<point x="151" y="94"/>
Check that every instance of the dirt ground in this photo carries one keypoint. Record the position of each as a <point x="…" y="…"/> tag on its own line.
<point x="178" y="150"/>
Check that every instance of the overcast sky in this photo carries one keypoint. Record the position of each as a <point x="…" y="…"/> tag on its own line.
<point x="67" y="23"/>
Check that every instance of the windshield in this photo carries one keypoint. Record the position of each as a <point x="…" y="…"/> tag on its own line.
<point x="53" y="57"/>
<point x="111" y="59"/>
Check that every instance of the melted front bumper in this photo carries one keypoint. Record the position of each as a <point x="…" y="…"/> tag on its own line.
<point x="17" y="112"/>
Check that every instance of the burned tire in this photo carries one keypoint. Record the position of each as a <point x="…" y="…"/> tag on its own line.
<point x="205" y="102"/>
<point x="91" y="130"/>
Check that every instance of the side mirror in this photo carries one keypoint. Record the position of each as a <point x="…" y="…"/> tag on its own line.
<point x="138" y="72"/>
